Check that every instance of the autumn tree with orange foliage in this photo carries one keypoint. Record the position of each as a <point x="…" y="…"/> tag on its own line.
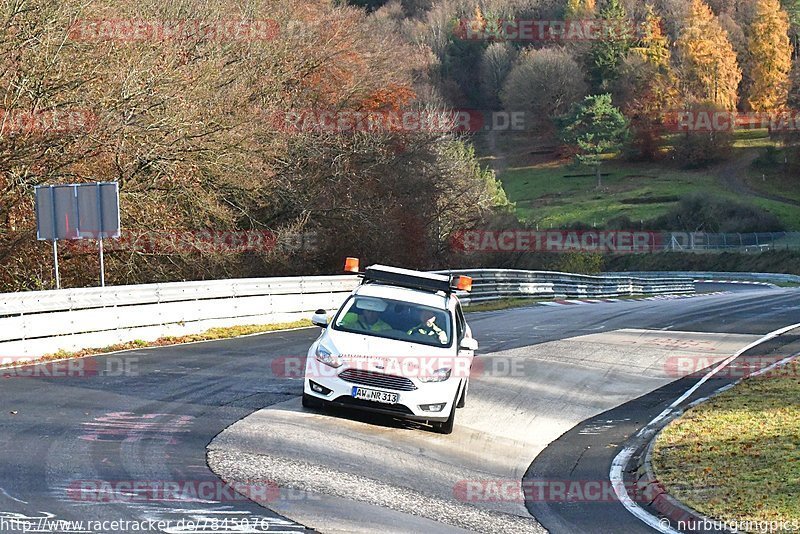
<point x="646" y="89"/>
<point x="707" y="62"/>
<point x="770" y="57"/>
<point x="579" y="9"/>
<point x="185" y="126"/>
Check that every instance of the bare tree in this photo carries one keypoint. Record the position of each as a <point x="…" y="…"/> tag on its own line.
<point x="496" y="63"/>
<point x="543" y="83"/>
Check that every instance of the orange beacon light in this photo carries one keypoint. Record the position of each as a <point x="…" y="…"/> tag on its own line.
<point x="351" y="265"/>
<point x="464" y="283"/>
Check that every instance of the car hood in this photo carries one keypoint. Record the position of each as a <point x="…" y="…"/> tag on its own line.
<point x="351" y="346"/>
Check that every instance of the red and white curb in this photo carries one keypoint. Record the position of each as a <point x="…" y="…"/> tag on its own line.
<point x="742" y="282"/>
<point x="573" y="302"/>
<point x="649" y="431"/>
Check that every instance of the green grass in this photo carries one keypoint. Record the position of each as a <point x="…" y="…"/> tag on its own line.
<point x="772" y="261"/>
<point x="770" y="175"/>
<point x="208" y="335"/>
<point x="788" y="214"/>
<point x="785" y="184"/>
<point x="756" y="138"/>
<point x="736" y="457"/>
<point x="502" y="304"/>
<point x="641" y="191"/>
<point x="233" y="331"/>
<point x="545" y="197"/>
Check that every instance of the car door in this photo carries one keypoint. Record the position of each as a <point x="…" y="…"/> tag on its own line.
<point x="462" y="328"/>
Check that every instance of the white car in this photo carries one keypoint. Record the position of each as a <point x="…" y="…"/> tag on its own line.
<point x="399" y="345"/>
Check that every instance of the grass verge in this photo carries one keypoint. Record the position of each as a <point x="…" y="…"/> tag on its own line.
<point x="551" y="192"/>
<point x="502" y="304"/>
<point x="736" y="457"/>
<point x="544" y="193"/>
<point x="208" y="335"/>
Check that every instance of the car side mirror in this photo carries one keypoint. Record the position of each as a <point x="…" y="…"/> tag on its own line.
<point x="468" y="343"/>
<point x="320" y="319"/>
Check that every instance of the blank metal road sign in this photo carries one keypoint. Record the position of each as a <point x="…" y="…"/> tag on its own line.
<point x="77" y="211"/>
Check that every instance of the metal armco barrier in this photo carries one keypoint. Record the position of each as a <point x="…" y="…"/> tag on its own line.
<point x="494" y="284"/>
<point x="44" y="322"/>
<point x="35" y="323"/>
<point x="774" y="278"/>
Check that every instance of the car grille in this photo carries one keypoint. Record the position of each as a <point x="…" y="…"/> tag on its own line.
<point x="378" y="380"/>
<point x="361" y="403"/>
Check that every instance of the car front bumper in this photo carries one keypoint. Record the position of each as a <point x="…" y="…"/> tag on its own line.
<point x="409" y="404"/>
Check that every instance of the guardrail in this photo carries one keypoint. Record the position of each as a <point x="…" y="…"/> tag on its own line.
<point x="707" y="275"/>
<point x="43" y="322"/>
<point x="494" y="284"/>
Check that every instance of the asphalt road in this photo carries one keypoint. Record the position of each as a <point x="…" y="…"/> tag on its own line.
<point x="586" y="452"/>
<point x="73" y="444"/>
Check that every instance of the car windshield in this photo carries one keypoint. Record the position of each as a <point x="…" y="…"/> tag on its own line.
<point x="393" y="319"/>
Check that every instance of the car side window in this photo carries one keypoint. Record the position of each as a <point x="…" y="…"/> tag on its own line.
<point x="461" y="323"/>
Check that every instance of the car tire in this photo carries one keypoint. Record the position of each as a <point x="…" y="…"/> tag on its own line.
<point x="446" y="427"/>
<point x="462" y="400"/>
<point x="310" y="401"/>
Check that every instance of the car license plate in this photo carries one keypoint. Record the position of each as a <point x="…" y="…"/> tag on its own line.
<point x="374" y="395"/>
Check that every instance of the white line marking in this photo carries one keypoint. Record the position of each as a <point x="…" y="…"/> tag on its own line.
<point x="4" y="492"/>
<point x="615" y="475"/>
<point x="621" y="460"/>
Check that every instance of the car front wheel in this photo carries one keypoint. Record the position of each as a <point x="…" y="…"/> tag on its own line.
<point x="446" y="427"/>
<point x="462" y="400"/>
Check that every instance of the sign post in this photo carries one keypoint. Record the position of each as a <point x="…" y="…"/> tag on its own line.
<point x="77" y="211"/>
<point x="102" y="266"/>
<point x="55" y="261"/>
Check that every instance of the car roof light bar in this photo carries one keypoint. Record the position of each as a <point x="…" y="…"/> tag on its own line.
<point x="396" y="276"/>
<point x="408" y="278"/>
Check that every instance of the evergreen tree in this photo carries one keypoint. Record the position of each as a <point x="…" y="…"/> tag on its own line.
<point x="709" y="70"/>
<point x="770" y="57"/>
<point x="646" y="88"/>
<point x="596" y="128"/>
<point x="653" y="45"/>
<point x="607" y="53"/>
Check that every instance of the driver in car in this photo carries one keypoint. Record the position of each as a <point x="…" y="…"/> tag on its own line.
<point x="368" y="320"/>
<point x="428" y="327"/>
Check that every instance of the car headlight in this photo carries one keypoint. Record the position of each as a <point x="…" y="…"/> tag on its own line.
<point x="327" y="356"/>
<point x="439" y="375"/>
